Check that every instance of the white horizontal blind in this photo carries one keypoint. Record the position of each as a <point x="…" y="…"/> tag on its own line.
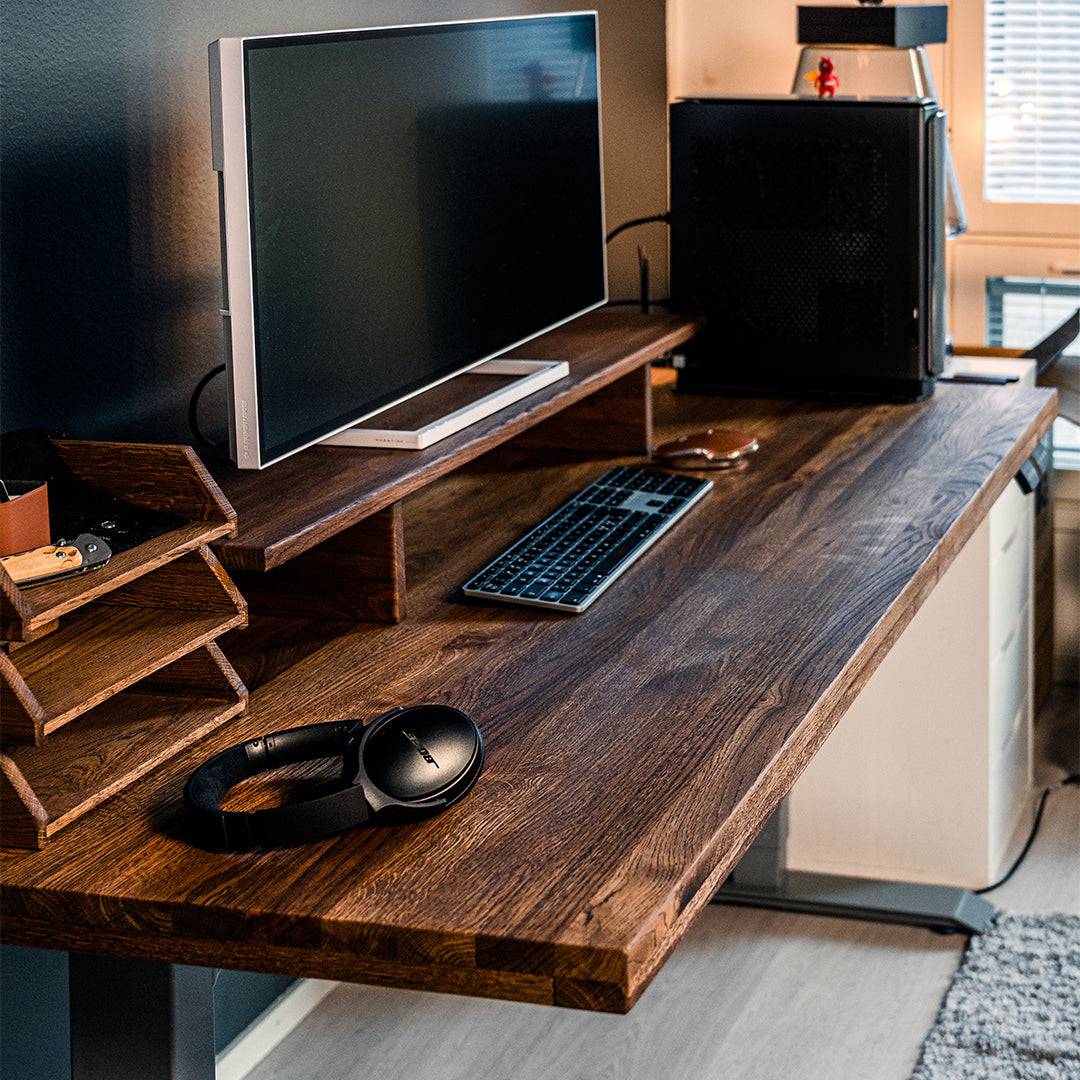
<point x="1021" y="311"/>
<point x="1032" y="73"/>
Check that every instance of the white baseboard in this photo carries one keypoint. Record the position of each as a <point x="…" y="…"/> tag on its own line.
<point x="275" y="1024"/>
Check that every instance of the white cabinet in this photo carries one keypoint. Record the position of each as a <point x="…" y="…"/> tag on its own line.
<point x="1067" y="573"/>
<point x="927" y="778"/>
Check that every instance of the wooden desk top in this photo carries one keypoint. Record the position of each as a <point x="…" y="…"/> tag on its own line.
<point x="633" y="751"/>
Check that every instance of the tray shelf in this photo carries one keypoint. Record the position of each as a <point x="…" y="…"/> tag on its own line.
<point x="113" y="642"/>
<point x="104" y="677"/>
<point x="157" y="477"/>
<point x="45" y="788"/>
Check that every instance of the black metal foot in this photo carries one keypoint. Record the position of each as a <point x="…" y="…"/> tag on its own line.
<point x="937" y="907"/>
<point x="761" y="879"/>
<point x="139" y="1020"/>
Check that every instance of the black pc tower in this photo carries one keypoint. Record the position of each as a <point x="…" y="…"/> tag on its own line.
<point x="810" y="234"/>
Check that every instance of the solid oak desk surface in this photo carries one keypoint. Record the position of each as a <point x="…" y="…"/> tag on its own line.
<point x="633" y="751"/>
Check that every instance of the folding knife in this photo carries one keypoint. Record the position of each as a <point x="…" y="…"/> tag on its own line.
<point x="55" y="561"/>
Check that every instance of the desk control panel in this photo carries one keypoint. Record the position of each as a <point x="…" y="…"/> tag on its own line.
<point x="572" y="556"/>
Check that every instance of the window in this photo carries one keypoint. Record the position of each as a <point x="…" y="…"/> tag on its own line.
<point x="1014" y="80"/>
<point x="1021" y="311"/>
<point x="1013" y="74"/>
<point x="1031" y="67"/>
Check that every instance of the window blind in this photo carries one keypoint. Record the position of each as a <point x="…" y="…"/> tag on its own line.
<point x="1032" y="78"/>
<point x="1022" y="311"/>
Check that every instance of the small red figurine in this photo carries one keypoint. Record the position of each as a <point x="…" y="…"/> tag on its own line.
<point x="826" y="79"/>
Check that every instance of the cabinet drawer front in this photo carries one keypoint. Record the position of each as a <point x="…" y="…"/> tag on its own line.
<point x="1011" y="506"/>
<point x="1010" y="581"/>
<point x="1010" y="786"/>
<point x="1010" y="680"/>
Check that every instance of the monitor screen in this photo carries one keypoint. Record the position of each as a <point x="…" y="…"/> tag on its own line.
<point x="421" y="199"/>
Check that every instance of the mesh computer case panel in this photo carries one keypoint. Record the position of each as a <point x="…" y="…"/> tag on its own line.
<point x="800" y="230"/>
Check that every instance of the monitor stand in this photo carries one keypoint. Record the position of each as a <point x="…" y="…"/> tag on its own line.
<point x="450" y="406"/>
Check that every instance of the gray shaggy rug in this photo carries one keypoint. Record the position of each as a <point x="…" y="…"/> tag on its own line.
<point x="1013" y="1009"/>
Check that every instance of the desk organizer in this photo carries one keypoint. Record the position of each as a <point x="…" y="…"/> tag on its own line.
<point x="106" y="675"/>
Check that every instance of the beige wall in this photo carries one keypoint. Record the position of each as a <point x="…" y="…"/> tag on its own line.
<point x="735" y="47"/>
<point x="730" y="47"/>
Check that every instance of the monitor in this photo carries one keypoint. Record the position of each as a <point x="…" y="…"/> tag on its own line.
<point x="398" y="205"/>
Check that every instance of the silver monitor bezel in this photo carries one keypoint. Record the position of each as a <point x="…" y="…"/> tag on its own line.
<point x="229" y="152"/>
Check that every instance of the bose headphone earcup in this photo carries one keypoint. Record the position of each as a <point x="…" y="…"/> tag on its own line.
<point x="428" y="754"/>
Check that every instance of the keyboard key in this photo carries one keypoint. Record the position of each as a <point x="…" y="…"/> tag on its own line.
<point x="575" y="597"/>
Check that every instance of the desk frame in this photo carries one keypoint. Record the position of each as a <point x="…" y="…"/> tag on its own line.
<point x="762" y="880"/>
<point x="140" y="1019"/>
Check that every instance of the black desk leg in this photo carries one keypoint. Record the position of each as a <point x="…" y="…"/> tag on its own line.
<point x="140" y="1020"/>
<point x="761" y="879"/>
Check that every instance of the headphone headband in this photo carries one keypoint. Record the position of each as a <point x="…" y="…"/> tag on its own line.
<point x="358" y="800"/>
<point x="293" y="823"/>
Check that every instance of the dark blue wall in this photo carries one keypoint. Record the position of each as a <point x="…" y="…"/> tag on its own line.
<point x="33" y="1014"/>
<point x="34" y="1019"/>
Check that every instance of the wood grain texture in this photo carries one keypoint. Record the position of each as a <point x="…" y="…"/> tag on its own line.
<point x="40" y="632"/>
<point x="271" y="644"/>
<point x="313" y="495"/>
<point x="47" y="603"/>
<point x="748" y="995"/>
<point x="22" y="816"/>
<point x="615" y="420"/>
<point x="357" y="575"/>
<point x="52" y="785"/>
<point x="159" y="477"/>
<point x="16" y="611"/>
<point x="111" y="643"/>
<point x="633" y="751"/>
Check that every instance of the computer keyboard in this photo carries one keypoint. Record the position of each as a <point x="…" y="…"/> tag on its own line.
<point x="571" y="557"/>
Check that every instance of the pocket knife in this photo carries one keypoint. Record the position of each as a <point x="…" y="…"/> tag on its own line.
<point x="54" y="561"/>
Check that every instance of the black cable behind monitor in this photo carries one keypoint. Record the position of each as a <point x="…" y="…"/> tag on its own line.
<point x="193" y="409"/>
<point x="644" y="299"/>
<point x="634" y="222"/>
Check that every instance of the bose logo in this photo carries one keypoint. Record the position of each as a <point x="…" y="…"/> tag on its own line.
<point x="421" y="749"/>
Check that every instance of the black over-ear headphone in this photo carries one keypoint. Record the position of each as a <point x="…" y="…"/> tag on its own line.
<point x="407" y="764"/>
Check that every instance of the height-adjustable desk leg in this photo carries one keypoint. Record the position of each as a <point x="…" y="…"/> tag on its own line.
<point x="761" y="879"/>
<point x="140" y="1020"/>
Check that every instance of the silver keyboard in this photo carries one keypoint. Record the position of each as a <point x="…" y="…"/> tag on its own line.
<point x="573" y="555"/>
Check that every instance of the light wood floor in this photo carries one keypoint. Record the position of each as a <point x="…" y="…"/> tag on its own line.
<point x="748" y="995"/>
